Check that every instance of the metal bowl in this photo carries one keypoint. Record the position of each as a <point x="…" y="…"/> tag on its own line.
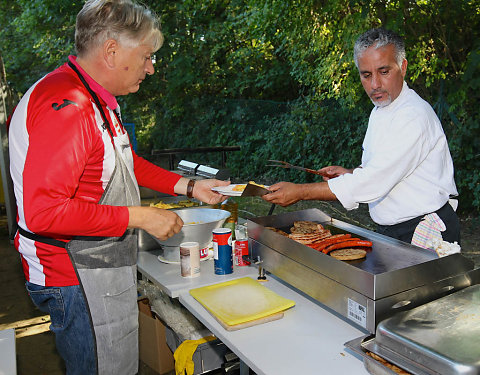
<point x="198" y="226"/>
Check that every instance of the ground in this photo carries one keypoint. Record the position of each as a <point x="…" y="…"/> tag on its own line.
<point x="35" y="346"/>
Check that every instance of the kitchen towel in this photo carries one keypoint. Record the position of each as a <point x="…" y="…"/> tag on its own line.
<point x="184" y="353"/>
<point x="428" y="231"/>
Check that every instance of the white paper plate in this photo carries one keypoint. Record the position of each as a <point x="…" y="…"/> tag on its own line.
<point x="228" y="190"/>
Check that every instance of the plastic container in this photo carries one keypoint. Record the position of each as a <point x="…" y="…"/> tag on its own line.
<point x="190" y="259"/>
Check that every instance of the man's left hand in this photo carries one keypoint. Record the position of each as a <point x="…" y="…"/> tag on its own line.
<point x="333" y="171"/>
<point x="203" y="191"/>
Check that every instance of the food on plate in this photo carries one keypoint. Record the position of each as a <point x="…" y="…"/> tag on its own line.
<point x="254" y="183"/>
<point x="279" y="231"/>
<point x="179" y="204"/>
<point x="387" y="364"/>
<point x="348" y="254"/>
<point x="314" y="235"/>
<point x="241" y="187"/>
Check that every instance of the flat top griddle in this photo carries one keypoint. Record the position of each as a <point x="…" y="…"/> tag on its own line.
<point x="392" y="266"/>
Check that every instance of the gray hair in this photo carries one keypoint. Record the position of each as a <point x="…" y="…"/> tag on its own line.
<point x="379" y="38"/>
<point x="122" y="20"/>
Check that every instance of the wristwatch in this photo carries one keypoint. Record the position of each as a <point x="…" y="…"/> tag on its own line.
<point x="190" y="185"/>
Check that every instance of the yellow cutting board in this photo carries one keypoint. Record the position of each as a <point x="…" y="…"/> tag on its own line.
<point x="242" y="300"/>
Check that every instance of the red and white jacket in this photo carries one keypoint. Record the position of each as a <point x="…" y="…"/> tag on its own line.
<point x="61" y="161"/>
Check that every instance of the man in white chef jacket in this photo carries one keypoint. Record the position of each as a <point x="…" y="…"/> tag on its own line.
<point x="406" y="173"/>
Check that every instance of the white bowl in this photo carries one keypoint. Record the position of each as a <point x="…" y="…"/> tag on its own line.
<point x="198" y="226"/>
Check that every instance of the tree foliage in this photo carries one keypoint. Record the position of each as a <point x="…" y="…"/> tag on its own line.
<point x="275" y="76"/>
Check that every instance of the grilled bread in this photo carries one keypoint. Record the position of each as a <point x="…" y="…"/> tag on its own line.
<point x="348" y="254"/>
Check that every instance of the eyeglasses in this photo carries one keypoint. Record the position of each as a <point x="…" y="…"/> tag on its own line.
<point x="152" y="58"/>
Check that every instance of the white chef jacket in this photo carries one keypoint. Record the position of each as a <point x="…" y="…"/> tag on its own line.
<point x="407" y="169"/>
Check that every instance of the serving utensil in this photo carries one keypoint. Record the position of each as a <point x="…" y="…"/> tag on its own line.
<point x="252" y="190"/>
<point x="286" y="165"/>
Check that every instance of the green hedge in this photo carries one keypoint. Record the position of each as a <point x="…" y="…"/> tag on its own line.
<point x="274" y="76"/>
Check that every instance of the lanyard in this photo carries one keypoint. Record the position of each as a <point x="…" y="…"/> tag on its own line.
<point x="106" y="123"/>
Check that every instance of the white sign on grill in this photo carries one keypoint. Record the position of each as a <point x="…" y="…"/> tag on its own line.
<point x="357" y="313"/>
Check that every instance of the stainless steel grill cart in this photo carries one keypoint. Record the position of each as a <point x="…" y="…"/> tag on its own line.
<point x="394" y="277"/>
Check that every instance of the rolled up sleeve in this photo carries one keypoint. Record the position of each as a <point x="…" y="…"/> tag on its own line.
<point x="340" y="187"/>
<point x="396" y="156"/>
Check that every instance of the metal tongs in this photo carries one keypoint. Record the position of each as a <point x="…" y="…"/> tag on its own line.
<point x="284" y="164"/>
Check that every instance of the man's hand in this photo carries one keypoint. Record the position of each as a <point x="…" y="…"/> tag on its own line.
<point x="203" y="191"/>
<point x="284" y="194"/>
<point x="287" y="193"/>
<point x="160" y="223"/>
<point x="333" y="171"/>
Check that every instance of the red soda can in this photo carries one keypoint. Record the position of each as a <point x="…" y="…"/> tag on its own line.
<point x="241" y="249"/>
<point x="222" y="251"/>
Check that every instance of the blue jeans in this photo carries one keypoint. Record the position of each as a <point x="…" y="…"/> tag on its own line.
<point x="71" y="324"/>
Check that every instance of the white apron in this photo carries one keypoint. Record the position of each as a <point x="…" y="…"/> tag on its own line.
<point x="106" y="269"/>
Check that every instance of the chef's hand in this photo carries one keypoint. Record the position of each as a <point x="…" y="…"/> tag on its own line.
<point x="203" y="191"/>
<point x="333" y="171"/>
<point x="287" y="193"/>
<point x="158" y="222"/>
<point x="284" y="193"/>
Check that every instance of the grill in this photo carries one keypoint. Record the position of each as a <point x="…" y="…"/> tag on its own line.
<point x="394" y="277"/>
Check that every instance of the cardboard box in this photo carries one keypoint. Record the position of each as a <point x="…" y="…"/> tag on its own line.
<point x="154" y="351"/>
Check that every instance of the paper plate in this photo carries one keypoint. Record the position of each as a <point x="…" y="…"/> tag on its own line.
<point x="228" y="190"/>
<point x="163" y="260"/>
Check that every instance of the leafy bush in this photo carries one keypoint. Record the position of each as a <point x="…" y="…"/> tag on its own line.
<point x="274" y="76"/>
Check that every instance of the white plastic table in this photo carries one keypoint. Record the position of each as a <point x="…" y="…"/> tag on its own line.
<point x="168" y="277"/>
<point x="309" y="339"/>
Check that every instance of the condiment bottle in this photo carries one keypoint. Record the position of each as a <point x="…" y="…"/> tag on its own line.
<point x="231" y="222"/>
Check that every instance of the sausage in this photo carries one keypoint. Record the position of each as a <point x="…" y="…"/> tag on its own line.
<point x="334" y="237"/>
<point x="330" y="240"/>
<point x="346" y="244"/>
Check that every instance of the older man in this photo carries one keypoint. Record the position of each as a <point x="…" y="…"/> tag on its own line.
<point x="76" y="185"/>
<point x="406" y="173"/>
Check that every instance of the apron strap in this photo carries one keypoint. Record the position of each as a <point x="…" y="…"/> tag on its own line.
<point x="106" y="123"/>
<point x="42" y="239"/>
